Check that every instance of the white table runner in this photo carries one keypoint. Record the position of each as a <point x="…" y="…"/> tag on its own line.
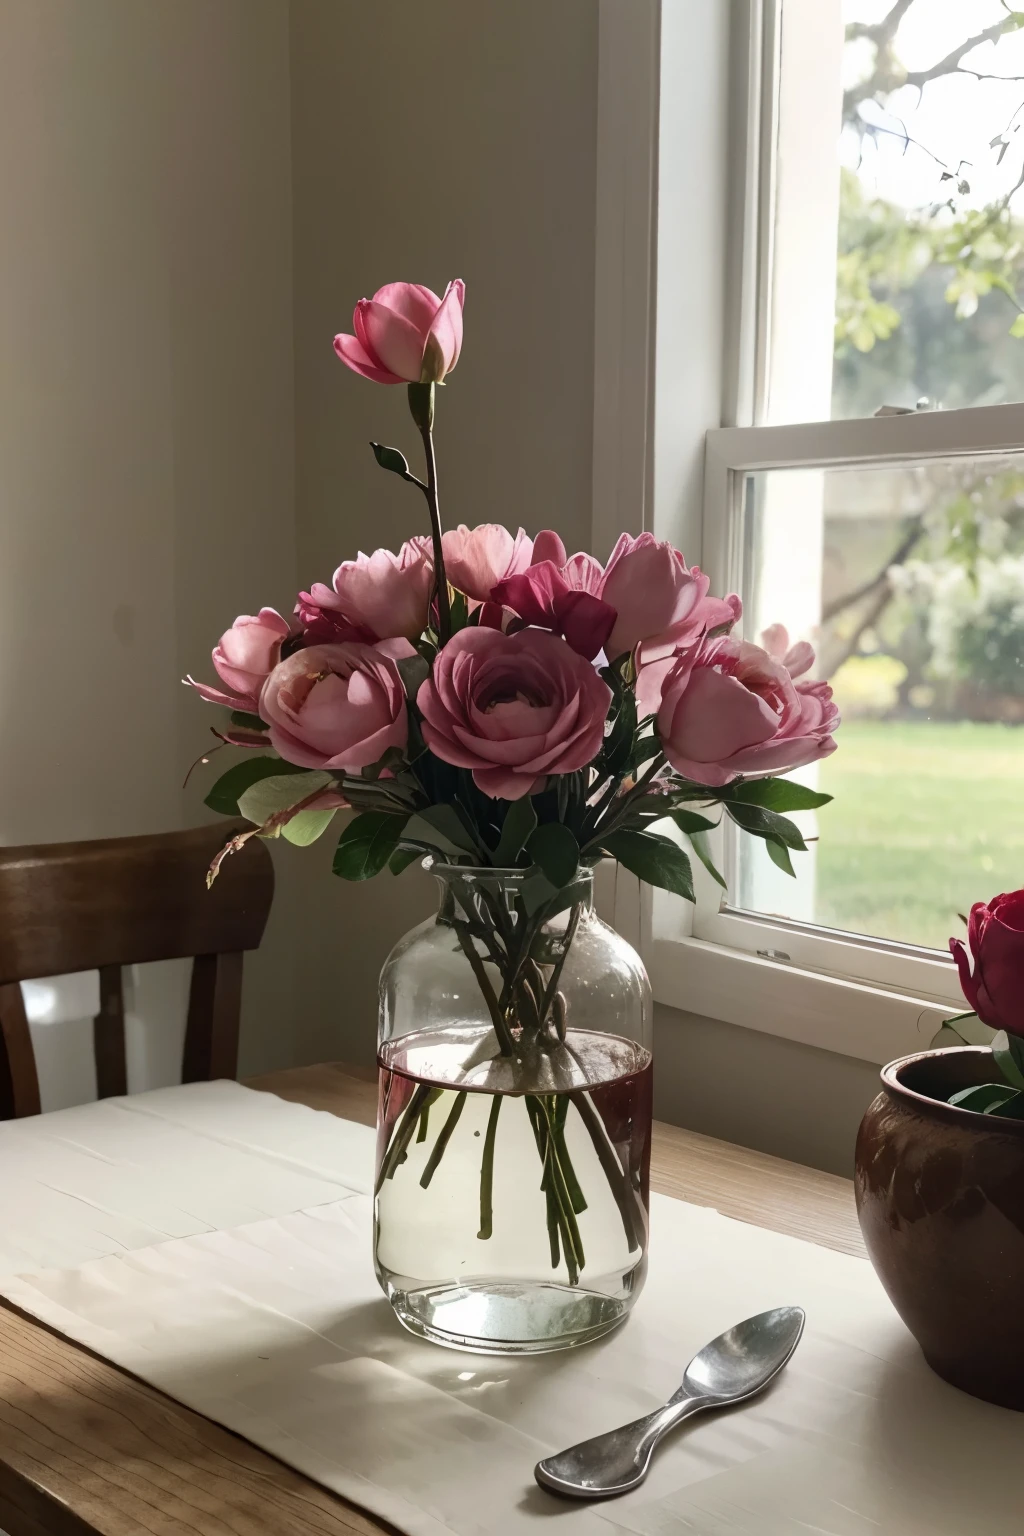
<point x="275" y="1328"/>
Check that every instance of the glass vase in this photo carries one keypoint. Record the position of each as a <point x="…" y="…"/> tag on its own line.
<point x="514" y="1117"/>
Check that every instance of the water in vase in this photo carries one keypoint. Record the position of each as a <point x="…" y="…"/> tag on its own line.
<point x="550" y="1246"/>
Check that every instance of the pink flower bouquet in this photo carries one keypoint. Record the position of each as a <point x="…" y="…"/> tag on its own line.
<point x="486" y="699"/>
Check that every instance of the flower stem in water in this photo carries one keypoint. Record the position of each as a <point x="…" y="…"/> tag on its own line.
<point x="444" y="1136"/>
<point x="487" y="1171"/>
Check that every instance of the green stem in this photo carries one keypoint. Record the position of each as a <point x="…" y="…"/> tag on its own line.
<point x="618" y="1181"/>
<point x="421" y="404"/>
<point x="487" y="1171"/>
<point x="444" y="1137"/>
<point x="400" y="1141"/>
<point x="483" y="981"/>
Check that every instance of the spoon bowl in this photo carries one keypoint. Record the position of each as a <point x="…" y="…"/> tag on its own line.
<point x="735" y="1366"/>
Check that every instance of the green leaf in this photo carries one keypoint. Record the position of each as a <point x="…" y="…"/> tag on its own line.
<point x="556" y="852"/>
<point x="390" y="458"/>
<point x="367" y="844"/>
<point x="1017" y="328"/>
<point x="306" y="827"/>
<point x="701" y="847"/>
<point x="644" y="748"/>
<point x="963" y="1029"/>
<point x="414" y="671"/>
<point x="1011" y="1108"/>
<point x="247" y="722"/>
<point x="278" y="792"/>
<point x="691" y="821"/>
<point x="402" y="858"/>
<point x="983" y="1098"/>
<point x="779" y="855"/>
<point x="460" y="611"/>
<point x="223" y="797"/>
<point x="1006" y="1060"/>
<point x="442" y="824"/>
<point x="654" y="859"/>
<point x="776" y="795"/>
<point x="764" y="823"/>
<point x="520" y="821"/>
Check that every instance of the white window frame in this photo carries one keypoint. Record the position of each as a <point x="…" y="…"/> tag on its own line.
<point x="851" y="994"/>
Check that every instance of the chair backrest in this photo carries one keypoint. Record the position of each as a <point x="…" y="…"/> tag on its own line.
<point x="101" y="905"/>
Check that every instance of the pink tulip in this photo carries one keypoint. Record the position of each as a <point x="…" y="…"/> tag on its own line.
<point x="335" y="706"/>
<point x="476" y="559"/>
<point x="652" y="590"/>
<point x="243" y="658"/>
<point x="405" y="334"/>
<point x="513" y="708"/>
<point x="380" y="596"/>
<point x="561" y="595"/>
<point x="728" y="708"/>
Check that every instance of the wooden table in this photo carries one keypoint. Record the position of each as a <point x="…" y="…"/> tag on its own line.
<point x="87" y="1449"/>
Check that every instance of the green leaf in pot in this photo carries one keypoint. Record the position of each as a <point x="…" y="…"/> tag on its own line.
<point x="654" y="859"/>
<point x="367" y="844"/>
<point x="223" y="797"/>
<point x="554" y="849"/>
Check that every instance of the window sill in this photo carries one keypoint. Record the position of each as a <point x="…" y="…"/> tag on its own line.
<point x="851" y="1018"/>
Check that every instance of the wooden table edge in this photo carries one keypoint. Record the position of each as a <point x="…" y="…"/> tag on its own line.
<point x="87" y="1449"/>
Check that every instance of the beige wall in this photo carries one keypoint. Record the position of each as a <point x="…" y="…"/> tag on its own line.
<point x="433" y="141"/>
<point x="146" y="454"/>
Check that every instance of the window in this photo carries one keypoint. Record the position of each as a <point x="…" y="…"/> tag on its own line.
<point x="871" y="499"/>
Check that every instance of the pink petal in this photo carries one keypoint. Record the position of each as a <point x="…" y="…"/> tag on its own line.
<point x="446" y="330"/>
<point x="247" y="702"/>
<point x="412" y="301"/>
<point x="392" y="339"/>
<point x="503" y="785"/>
<point x="356" y="357"/>
<point x="548" y="546"/>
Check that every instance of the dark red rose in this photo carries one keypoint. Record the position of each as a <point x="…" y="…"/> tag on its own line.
<point x="995" y="986"/>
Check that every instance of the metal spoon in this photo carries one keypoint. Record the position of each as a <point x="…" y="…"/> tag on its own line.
<point x="735" y="1366"/>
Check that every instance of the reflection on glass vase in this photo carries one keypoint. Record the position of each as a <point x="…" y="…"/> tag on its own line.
<point x="514" y="1121"/>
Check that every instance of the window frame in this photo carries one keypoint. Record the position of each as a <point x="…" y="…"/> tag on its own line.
<point x="865" y="998"/>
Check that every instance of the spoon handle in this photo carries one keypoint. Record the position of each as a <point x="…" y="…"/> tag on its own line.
<point x="662" y="1420"/>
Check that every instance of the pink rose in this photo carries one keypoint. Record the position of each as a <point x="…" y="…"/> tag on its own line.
<point x="476" y="559"/>
<point x="561" y="595"/>
<point x="335" y="706"/>
<point x="405" y="334"/>
<point x="380" y="596"/>
<point x="653" y="590"/>
<point x="995" y="988"/>
<point x="513" y="708"/>
<point x="243" y="658"/>
<point x="656" y="657"/>
<point x="728" y="708"/>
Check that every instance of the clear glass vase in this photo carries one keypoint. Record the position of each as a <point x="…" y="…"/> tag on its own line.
<point x="514" y="1119"/>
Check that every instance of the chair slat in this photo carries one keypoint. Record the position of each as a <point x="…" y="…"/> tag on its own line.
<point x="108" y="1035"/>
<point x="19" y="1085"/>
<point x="214" y="1009"/>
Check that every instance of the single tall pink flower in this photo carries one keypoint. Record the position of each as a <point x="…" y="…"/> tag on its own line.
<point x="653" y="591"/>
<point x="476" y="559"/>
<point x="405" y="334"/>
<point x="380" y="596"/>
<point x="335" y="706"/>
<point x="561" y="595"/>
<point x="728" y="708"/>
<point x="513" y="708"/>
<point x="243" y="657"/>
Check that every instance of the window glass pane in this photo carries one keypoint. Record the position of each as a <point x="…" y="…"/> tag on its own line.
<point x="929" y="168"/>
<point x="909" y="580"/>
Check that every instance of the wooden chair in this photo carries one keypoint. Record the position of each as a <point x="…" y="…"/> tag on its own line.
<point x="101" y="905"/>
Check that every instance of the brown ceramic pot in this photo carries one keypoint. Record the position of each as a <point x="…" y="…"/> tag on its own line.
<point x="940" y="1196"/>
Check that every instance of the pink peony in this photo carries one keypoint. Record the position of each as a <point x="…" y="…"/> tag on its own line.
<point x="405" y="334"/>
<point x="377" y="597"/>
<point x="653" y="591"/>
<point x="513" y="708"/>
<point x="656" y="657"/>
<point x="335" y="706"/>
<point x="476" y="559"/>
<point x="243" y="658"/>
<point x="561" y="595"/>
<point x="729" y="708"/>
